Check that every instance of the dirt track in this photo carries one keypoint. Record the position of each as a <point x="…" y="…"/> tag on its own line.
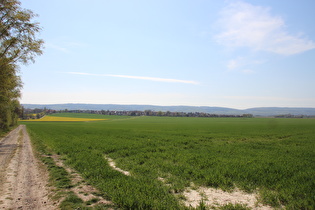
<point x="23" y="184"/>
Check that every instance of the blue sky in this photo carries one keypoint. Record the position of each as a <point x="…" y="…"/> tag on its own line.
<point x="237" y="54"/>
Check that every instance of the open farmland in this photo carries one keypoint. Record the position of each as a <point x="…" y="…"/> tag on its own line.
<point x="166" y="156"/>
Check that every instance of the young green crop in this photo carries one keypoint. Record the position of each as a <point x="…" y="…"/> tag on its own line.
<point x="274" y="156"/>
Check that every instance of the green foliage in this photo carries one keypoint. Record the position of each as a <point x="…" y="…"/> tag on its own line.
<point x="58" y="176"/>
<point x="18" y="33"/>
<point x="92" y="201"/>
<point x="273" y="156"/>
<point x="202" y="205"/>
<point x="17" y="44"/>
<point x="9" y="92"/>
<point x="231" y="206"/>
<point x="72" y="202"/>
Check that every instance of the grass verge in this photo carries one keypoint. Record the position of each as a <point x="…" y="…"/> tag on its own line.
<point x="59" y="179"/>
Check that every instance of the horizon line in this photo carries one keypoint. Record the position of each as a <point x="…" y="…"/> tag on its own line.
<point x="167" y="105"/>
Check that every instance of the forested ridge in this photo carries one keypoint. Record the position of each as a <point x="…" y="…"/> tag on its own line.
<point x="18" y="46"/>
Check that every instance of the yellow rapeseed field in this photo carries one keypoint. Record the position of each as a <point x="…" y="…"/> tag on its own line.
<point x="62" y="119"/>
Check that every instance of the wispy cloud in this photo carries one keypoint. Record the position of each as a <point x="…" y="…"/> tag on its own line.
<point x="157" y="79"/>
<point x="248" y="71"/>
<point x="246" y="25"/>
<point x="56" y="47"/>
<point x="235" y="63"/>
<point x="64" y="46"/>
<point x="243" y="64"/>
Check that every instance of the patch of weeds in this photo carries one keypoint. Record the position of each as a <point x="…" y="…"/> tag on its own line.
<point x="97" y="193"/>
<point x="58" y="195"/>
<point x="181" y="197"/>
<point x="58" y="175"/>
<point x="72" y="202"/>
<point x="270" y="197"/>
<point x="104" y="206"/>
<point x="103" y="195"/>
<point x="93" y="200"/>
<point x="77" y="185"/>
<point x="231" y="206"/>
<point x="202" y="205"/>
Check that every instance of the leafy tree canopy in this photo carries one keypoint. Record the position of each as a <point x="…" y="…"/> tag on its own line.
<point x="18" y="33"/>
<point x="18" y="44"/>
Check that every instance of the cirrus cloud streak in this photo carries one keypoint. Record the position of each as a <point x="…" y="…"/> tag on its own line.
<point x="156" y="79"/>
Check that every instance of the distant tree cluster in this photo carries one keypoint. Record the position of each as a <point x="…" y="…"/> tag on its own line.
<point x="27" y="114"/>
<point x="294" y="116"/>
<point x="18" y="44"/>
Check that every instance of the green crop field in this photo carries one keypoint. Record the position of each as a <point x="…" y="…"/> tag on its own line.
<point x="273" y="157"/>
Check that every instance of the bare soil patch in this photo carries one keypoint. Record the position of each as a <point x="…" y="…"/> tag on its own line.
<point x="112" y="164"/>
<point x="217" y="197"/>
<point x="209" y="196"/>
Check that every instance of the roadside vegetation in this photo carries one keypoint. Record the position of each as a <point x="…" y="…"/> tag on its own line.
<point x="273" y="157"/>
<point x="60" y="181"/>
<point x="18" y="45"/>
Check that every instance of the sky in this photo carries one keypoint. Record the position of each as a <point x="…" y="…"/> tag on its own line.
<point x="236" y="54"/>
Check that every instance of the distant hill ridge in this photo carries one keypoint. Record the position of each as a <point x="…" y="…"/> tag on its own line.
<point x="262" y="111"/>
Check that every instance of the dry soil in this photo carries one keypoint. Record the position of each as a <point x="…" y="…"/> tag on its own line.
<point x="23" y="180"/>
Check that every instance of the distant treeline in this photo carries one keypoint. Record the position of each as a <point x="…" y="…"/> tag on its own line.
<point x="38" y="113"/>
<point x="294" y="116"/>
<point x="26" y="114"/>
